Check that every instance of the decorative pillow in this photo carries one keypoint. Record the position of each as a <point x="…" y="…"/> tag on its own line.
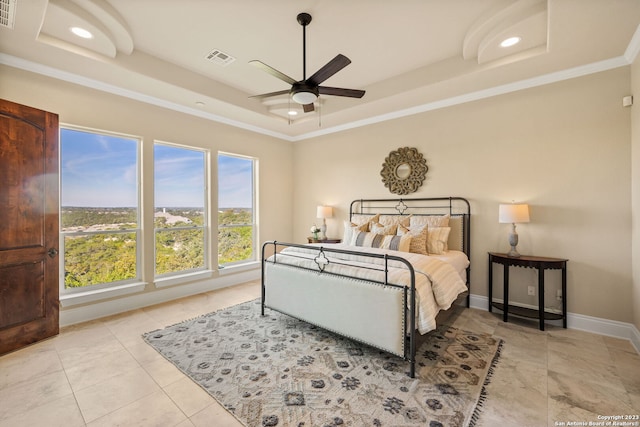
<point x="429" y="220"/>
<point x="377" y="228"/>
<point x="437" y="240"/>
<point x="350" y="229"/>
<point x="418" y="238"/>
<point x="372" y="240"/>
<point x="360" y="219"/>
<point x="456" y="235"/>
<point x="395" y="219"/>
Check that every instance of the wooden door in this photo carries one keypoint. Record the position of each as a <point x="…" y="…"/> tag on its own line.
<point x="29" y="293"/>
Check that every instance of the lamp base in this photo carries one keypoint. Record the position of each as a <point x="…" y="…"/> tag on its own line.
<point x="513" y="253"/>
<point x="513" y="241"/>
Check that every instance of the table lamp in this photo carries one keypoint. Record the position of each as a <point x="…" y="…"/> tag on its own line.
<point x="514" y="214"/>
<point x="324" y="212"/>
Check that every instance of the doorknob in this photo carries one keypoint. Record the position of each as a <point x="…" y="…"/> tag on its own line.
<point x="53" y="252"/>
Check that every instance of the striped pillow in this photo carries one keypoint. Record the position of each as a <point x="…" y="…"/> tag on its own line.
<point x="437" y="240"/>
<point x="418" y="238"/>
<point x="372" y="240"/>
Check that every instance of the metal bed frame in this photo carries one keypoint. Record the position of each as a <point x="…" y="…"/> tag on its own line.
<point x="454" y="206"/>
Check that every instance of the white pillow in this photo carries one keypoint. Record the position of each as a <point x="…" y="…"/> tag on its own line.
<point x="372" y="240"/>
<point x="418" y="238"/>
<point x="430" y="220"/>
<point x="351" y="228"/>
<point x="437" y="240"/>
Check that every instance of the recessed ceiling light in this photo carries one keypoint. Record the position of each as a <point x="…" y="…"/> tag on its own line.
<point x="81" y="32"/>
<point x="510" y="41"/>
<point x="293" y="113"/>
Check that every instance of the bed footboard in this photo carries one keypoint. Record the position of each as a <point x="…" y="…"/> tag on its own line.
<point x="371" y="313"/>
<point x="375" y="313"/>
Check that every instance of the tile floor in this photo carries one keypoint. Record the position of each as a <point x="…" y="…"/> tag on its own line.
<point x="101" y="373"/>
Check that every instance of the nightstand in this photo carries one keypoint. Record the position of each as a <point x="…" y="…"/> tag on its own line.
<point x="528" y="261"/>
<point x="327" y="240"/>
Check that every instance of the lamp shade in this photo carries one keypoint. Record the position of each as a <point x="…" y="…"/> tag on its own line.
<point x="324" y="212"/>
<point x="513" y="213"/>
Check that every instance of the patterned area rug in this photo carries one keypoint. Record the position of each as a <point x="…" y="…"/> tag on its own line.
<point x="278" y="371"/>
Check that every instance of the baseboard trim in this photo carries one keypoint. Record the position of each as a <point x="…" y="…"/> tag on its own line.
<point x="74" y="315"/>
<point x="596" y="325"/>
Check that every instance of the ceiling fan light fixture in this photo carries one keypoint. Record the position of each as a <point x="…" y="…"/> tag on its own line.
<point x="304" y="97"/>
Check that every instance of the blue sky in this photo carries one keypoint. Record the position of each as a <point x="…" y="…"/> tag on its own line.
<point x="100" y="171"/>
<point x="235" y="183"/>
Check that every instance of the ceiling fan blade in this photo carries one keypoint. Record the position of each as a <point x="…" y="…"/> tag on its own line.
<point x="337" y="91"/>
<point x="307" y="108"/>
<point x="272" y="71"/>
<point x="330" y="68"/>
<point x="266" y="95"/>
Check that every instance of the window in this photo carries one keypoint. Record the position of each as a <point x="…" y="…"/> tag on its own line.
<point x="180" y="209"/>
<point x="99" y="211"/>
<point x="236" y="209"/>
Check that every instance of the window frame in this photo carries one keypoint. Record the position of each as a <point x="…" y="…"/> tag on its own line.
<point x="254" y="211"/>
<point x="206" y="228"/>
<point x="100" y="287"/>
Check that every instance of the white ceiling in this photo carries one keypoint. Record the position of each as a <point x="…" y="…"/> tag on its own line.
<point x="409" y="55"/>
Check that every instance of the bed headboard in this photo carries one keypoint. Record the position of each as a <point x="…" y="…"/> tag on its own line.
<point x="457" y="207"/>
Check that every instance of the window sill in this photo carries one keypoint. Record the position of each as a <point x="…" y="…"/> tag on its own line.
<point x="238" y="268"/>
<point x="163" y="282"/>
<point x="77" y="298"/>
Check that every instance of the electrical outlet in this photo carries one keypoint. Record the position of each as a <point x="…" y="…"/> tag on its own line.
<point x="559" y="295"/>
<point x="531" y="290"/>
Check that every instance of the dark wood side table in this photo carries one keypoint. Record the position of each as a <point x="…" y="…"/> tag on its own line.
<point x="527" y="261"/>
<point x="327" y="240"/>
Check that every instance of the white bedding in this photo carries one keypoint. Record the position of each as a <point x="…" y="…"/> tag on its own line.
<point x="438" y="278"/>
<point x="458" y="261"/>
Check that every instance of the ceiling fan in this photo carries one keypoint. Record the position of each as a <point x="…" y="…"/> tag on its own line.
<point x="307" y="90"/>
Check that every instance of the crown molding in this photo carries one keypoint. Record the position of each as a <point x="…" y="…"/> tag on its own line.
<point x="66" y="76"/>
<point x="629" y="56"/>
<point x="542" y="80"/>
<point x="631" y="53"/>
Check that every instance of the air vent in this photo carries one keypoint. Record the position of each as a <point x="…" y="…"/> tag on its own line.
<point x="7" y="13"/>
<point x="218" y="57"/>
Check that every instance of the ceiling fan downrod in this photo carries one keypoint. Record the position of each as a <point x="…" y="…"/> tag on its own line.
<point x="304" y="19"/>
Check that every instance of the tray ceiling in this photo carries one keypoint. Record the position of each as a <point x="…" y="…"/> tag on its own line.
<point x="410" y="56"/>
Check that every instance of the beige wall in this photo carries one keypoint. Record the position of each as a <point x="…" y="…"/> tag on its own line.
<point x="564" y="148"/>
<point x="635" y="187"/>
<point x="81" y="106"/>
